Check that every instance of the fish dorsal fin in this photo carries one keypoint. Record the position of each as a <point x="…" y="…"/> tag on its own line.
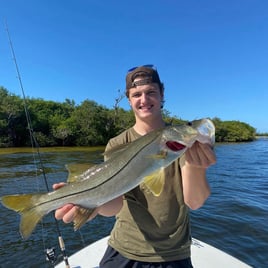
<point x="154" y="182"/>
<point x="76" y="170"/>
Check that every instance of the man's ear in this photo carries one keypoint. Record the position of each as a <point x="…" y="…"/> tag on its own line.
<point x="162" y="101"/>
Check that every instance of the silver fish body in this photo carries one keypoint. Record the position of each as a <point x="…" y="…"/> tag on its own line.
<point x="126" y="168"/>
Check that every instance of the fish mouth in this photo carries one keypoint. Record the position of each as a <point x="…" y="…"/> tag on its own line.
<point x="175" y="146"/>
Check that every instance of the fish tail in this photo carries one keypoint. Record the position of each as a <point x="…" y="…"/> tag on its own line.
<point x="25" y="206"/>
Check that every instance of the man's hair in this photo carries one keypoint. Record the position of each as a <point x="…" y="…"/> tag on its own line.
<point x="148" y="74"/>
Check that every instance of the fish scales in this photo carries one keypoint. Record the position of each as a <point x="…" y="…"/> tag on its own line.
<point x="126" y="168"/>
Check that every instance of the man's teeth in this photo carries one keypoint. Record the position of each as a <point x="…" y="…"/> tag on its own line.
<point x="146" y="107"/>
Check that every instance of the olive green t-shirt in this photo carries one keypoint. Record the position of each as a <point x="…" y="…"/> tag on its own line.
<point x="150" y="228"/>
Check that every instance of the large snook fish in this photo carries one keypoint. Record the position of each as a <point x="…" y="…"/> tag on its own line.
<point x="128" y="166"/>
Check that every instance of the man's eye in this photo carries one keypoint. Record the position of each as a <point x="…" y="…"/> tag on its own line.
<point x="136" y="95"/>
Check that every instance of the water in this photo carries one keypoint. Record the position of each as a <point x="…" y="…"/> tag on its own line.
<point x="234" y="218"/>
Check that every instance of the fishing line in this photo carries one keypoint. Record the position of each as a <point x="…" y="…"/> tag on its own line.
<point x="34" y="143"/>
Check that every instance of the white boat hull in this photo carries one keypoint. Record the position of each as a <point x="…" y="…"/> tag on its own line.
<point x="203" y="256"/>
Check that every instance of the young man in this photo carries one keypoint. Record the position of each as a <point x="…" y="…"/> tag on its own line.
<point x="153" y="231"/>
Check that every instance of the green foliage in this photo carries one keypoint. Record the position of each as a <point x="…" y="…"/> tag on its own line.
<point x="12" y="119"/>
<point x="171" y="119"/>
<point x="87" y="124"/>
<point x="265" y="134"/>
<point x="90" y="122"/>
<point x="121" y="120"/>
<point x="233" y="131"/>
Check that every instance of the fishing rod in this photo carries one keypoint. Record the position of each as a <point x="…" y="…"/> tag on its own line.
<point x="50" y="253"/>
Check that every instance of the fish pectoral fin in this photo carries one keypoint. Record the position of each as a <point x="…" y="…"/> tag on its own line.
<point x="161" y="155"/>
<point x="75" y="170"/>
<point x="155" y="182"/>
<point x="81" y="217"/>
<point x="30" y="215"/>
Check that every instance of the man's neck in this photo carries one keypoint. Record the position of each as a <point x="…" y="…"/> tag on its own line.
<point x="143" y="127"/>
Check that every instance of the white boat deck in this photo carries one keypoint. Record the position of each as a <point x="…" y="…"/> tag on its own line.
<point x="203" y="256"/>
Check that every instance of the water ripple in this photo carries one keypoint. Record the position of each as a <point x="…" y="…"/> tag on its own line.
<point x="233" y="219"/>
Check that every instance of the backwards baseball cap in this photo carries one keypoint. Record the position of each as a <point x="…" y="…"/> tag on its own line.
<point x="148" y="73"/>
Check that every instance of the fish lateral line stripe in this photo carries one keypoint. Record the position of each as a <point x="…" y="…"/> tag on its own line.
<point x="92" y="188"/>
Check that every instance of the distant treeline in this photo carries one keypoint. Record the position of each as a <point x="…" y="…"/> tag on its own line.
<point x="88" y="124"/>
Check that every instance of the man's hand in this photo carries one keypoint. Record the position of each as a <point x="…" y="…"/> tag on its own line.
<point x="200" y="155"/>
<point x="67" y="212"/>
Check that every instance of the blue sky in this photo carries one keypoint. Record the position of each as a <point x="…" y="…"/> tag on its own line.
<point x="212" y="55"/>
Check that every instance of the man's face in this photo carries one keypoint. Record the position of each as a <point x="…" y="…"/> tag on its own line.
<point x="146" y="100"/>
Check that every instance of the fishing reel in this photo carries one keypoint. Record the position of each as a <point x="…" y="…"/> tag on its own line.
<point x="51" y="255"/>
<point x="53" y="258"/>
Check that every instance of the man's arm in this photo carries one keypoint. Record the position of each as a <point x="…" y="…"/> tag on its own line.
<point x="195" y="186"/>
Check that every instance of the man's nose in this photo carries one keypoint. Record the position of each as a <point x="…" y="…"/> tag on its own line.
<point x="144" y="97"/>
